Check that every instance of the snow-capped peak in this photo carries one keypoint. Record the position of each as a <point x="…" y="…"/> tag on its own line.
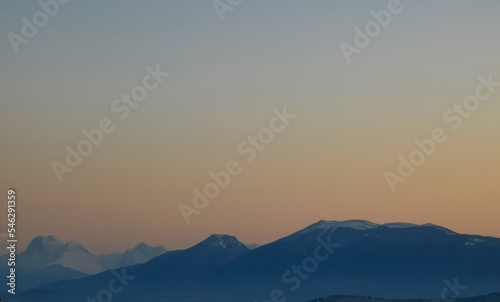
<point x="44" y="243"/>
<point x="400" y="225"/>
<point x="362" y="225"/>
<point x="140" y="254"/>
<point x="78" y="258"/>
<point x="224" y="241"/>
<point x="437" y="227"/>
<point x="43" y="250"/>
<point x="330" y="225"/>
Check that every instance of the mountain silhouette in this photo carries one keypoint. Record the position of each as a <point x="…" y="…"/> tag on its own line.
<point x="355" y="257"/>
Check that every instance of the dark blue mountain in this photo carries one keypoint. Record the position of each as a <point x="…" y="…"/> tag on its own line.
<point x="327" y="258"/>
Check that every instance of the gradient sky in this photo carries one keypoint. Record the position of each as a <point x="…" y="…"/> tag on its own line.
<point x="353" y="120"/>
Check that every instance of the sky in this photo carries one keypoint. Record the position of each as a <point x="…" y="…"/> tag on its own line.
<point x="226" y="80"/>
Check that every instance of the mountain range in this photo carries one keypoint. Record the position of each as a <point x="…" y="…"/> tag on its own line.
<point x="355" y="257"/>
<point x="47" y="260"/>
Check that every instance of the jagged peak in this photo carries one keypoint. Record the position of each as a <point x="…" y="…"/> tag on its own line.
<point x="41" y="242"/>
<point x="71" y="246"/>
<point x="47" y="239"/>
<point x="143" y="247"/>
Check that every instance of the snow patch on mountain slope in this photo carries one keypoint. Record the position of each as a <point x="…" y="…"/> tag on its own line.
<point x="78" y="258"/>
<point x="400" y="225"/>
